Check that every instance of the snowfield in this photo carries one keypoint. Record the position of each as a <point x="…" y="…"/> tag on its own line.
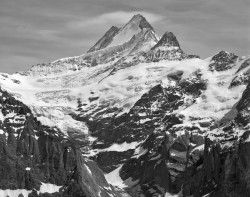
<point x="50" y="99"/>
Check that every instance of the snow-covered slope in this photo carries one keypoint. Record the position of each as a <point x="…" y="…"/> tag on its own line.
<point x="96" y="89"/>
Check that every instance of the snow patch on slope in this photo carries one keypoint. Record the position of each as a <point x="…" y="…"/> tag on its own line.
<point x="172" y="195"/>
<point x="121" y="147"/>
<point x="14" y="193"/>
<point x="114" y="147"/>
<point x="114" y="178"/>
<point x="49" y="188"/>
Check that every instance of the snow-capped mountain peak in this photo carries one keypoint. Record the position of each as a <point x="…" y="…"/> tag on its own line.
<point x="138" y="21"/>
<point x="136" y="25"/>
<point x="136" y="36"/>
<point x="118" y="36"/>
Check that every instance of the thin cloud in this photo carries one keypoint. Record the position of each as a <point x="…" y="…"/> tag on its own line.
<point x="117" y="18"/>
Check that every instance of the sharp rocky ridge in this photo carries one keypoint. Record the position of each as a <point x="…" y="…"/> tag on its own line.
<point x="134" y="116"/>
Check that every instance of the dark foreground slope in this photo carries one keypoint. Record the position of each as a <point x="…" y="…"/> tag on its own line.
<point x="32" y="154"/>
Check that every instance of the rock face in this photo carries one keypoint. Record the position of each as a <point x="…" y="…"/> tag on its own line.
<point x="134" y="116"/>
<point x="32" y="154"/>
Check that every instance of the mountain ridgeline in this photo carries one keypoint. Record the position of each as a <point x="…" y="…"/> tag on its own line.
<point x="134" y="116"/>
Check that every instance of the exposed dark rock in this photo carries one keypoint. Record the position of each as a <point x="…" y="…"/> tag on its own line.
<point x="240" y="80"/>
<point x="223" y="61"/>
<point x="245" y="64"/>
<point x="150" y="169"/>
<point x="242" y="77"/>
<point x="167" y="40"/>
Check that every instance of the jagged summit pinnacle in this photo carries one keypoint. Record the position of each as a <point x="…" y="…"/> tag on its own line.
<point x="168" y="39"/>
<point x="138" y="16"/>
<point x="139" y="20"/>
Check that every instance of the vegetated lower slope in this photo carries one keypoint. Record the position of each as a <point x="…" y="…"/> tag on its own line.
<point x="155" y="120"/>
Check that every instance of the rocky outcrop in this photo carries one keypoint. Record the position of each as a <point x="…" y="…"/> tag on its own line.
<point x="167" y="40"/>
<point x="167" y="48"/>
<point x="223" y="61"/>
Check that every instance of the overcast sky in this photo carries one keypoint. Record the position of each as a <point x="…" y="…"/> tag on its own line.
<point x="37" y="31"/>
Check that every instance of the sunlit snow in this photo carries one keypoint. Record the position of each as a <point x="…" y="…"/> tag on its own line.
<point x="14" y="193"/>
